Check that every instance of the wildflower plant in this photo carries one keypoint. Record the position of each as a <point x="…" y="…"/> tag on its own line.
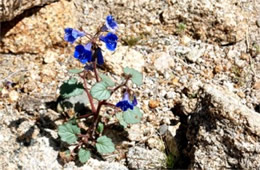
<point x="85" y="138"/>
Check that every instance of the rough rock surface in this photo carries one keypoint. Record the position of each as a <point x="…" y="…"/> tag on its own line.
<point x="224" y="133"/>
<point x="140" y="158"/>
<point x="11" y="8"/>
<point x="208" y="20"/>
<point x="43" y="30"/>
<point x="163" y="39"/>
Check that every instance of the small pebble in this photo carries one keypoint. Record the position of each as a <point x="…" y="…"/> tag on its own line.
<point x="13" y="95"/>
<point x="257" y="85"/>
<point x="170" y="95"/>
<point x="153" y="104"/>
<point x="244" y="56"/>
<point x="163" y="129"/>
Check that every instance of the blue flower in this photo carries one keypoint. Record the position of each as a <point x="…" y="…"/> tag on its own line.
<point x="100" y="59"/>
<point x="111" y="24"/>
<point x="126" y="103"/>
<point x="71" y="34"/>
<point x="83" y="53"/>
<point x="110" y="40"/>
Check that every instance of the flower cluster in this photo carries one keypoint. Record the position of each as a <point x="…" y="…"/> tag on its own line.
<point x="91" y="52"/>
<point x="83" y="141"/>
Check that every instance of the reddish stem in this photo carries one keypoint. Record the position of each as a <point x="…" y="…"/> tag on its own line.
<point x="121" y="85"/>
<point x="95" y="70"/>
<point x="85" y="116"/>
<point x="87" y="91"/>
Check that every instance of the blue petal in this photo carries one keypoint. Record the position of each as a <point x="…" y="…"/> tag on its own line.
<point x="100" y="59"/>
<point x="110" y="40"/>
<point x="71" y="34"/>
<point x="82" y="54"/>
<point x="124" y="105"/>
<point x="111" y="23"/>
<point x="134" y="102"/>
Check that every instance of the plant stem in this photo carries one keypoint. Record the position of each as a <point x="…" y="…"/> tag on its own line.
<point x="96" y="118"/>
<point x="121" y="85"/>
<point x="87" y="91"/>
<point x="109" y="104"/>
<point x="85" y="116"/>
<point x="95" y="70"/>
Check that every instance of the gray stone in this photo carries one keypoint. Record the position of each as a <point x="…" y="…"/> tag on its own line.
<point x="140" y="158"/>
<point x="11" y="8"/>
<point x="224" y="133"/>
<point x="170" y="95"/>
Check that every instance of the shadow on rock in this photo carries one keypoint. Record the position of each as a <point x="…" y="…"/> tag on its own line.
<point x="7" y="25"/>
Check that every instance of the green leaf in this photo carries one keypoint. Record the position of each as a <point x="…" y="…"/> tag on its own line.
<point x="68" y="132"/>
<point x="109" y="82"/>
<point x="105" y="145"/>
<point x="121" y="120"/>
<point x="71" y="88"/>
<point x="136" y="78"/>
<point x="99" y="91"/>
<point x="132" y="116"/>
<point x="100" y="127"/>
<point x="84" y="155"/>
<point x="76" y="71"/>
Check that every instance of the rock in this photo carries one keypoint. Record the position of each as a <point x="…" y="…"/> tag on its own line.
<point x="13" y="95"/>
<point x="41" y="31"/>
<point x="224" y="133"/>
<point x="162" y="61"/>
<point x="257" y="85"/>
<point x="244" y="56"/>
<point x="156" y="143"/>
<point x="94" y="164"/>
<point x="140" y="158"/>
<point x="170" y="95"/>
<point x="185" y="40"/>
<point x="124" y="57"/>
<point x="207" y="20"/>
<point x="163" y="129"/>
<point x="153" y="104"/>
<point x="50" y="57"/>
<point x="12" y="8"/>
<point x="194" y="54"/>
<point x="136" y="132"/>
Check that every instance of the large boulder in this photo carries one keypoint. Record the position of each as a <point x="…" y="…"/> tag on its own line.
<point x="209" y="20"/>
<point x="223" y="133"/>
<point x="11" y="8"/>
<point x="41" y="30"/>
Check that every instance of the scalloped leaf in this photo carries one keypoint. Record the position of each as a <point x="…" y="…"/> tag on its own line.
<point x="109" y="82"/>
<point x="84" y="155"/>
<point x="68" y="132"/>
<point x="71" y="88"/>
<point x="136" y="78"/>
<point x="132" y="116"/>
<point x="121" y="120"/>
<point x="99" y="91"/>
<point x="105" y="145"/>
